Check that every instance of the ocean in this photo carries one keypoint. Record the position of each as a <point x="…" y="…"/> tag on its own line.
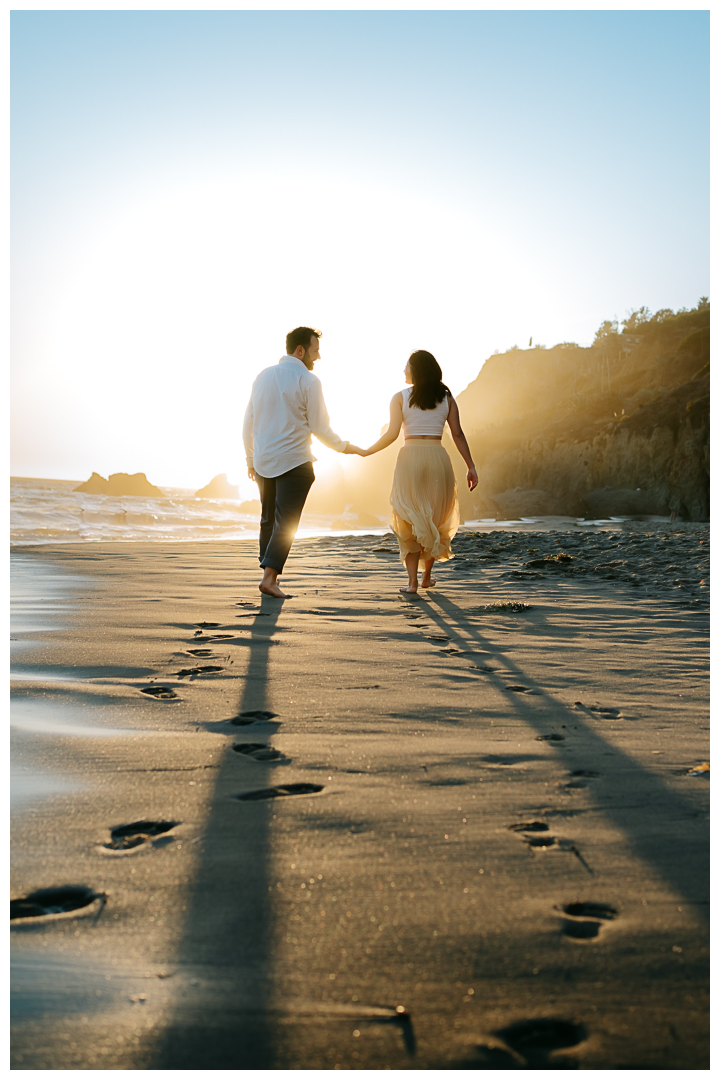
<point x="51" y="512"/>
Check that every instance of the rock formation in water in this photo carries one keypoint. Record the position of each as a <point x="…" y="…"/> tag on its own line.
<point x="619" y="428"/>
<point x="218" y="488"/>
<point x="120" y="484"/>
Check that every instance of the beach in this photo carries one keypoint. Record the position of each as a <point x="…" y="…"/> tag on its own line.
<point x="358" y="829"/>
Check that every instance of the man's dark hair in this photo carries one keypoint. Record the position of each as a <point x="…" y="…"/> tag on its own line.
<point x="301" y="335"/>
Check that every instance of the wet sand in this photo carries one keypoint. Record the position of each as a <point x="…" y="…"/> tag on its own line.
<point x="465" y="837"/>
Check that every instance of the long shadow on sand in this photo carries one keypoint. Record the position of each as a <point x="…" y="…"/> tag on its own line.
<point x="649" y="812"/>
<point x="219" y="1018"/>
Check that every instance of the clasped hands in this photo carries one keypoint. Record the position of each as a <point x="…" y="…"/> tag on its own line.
<point x="472" y="477"/>
<point x="349" y="449"/>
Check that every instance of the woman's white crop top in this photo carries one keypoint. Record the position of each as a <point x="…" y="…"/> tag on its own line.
<point x="423" y="421"/>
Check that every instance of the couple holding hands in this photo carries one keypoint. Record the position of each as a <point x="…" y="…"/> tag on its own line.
<point x="286" y="408"/>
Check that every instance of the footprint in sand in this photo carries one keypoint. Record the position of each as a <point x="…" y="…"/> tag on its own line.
<point x="251" y="716"/>
<point x="535" y="1040"/>
<point x="54" y="901"/>
<point x="259" y="751"/>
<point x="554" y="737"/>
<point x="200" y="652"/>
<point x="517" y="689"/>
<point x="529" y="826"/>
<point x="161" y="692"/>
<point x="137" y="834"/>
<point x="280" y="791"/>
<point x="207" y="625"/>
<point x="542" y="842"/>
<point x="495" y="761"/>
<point x="535" y="834"/>
<point x="206" y="669"/>
<point x="601" y="710"/>
<point x="577" y="781"/>
<point x="586" y="919"/>
<point x="528" y="1044"/>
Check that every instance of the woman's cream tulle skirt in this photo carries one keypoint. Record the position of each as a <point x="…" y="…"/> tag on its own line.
<point x="425" y="510"/>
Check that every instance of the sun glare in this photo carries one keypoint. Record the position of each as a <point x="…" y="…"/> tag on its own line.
<point x="167" y="312"/>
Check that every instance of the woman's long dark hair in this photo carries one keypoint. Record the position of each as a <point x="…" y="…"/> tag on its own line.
<point x="428" y="388"/>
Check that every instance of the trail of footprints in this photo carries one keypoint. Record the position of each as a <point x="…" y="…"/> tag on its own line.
<point x="526" y="1043"/>
<point x="126" y="839"/>
<point x="582" y="920"/>
<point x="133" y="836"/>
<point x="254" y="751"/>
<point x="167" y="693"/>
<point x="605" y="711"/>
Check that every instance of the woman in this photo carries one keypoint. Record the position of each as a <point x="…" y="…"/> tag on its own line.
<point x="425" y="511"/>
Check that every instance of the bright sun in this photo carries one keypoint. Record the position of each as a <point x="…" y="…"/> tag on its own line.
<point x="169" y="310"/>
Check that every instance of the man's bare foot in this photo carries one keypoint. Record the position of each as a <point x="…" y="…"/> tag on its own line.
<point x="274" y="590"/>
<point x="269" y="586"/>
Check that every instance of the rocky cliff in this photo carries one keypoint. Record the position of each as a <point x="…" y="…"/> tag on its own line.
<point x="621" y="427"/>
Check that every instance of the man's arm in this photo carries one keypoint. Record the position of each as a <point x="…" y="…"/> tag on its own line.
<point x="248" y="438"/>
<point x="319" y="420"/>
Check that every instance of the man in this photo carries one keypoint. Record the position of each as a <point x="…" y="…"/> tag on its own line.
<point x="286" y="408"/>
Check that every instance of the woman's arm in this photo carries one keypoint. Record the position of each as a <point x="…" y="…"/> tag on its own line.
<point x="460" y="441"/>
<point x="393" y="428"/>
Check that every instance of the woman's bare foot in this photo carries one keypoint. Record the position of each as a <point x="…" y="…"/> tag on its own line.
<point x="412" y="560"/>
<point x="428" y="581"/>
<point x="269" y="586"/>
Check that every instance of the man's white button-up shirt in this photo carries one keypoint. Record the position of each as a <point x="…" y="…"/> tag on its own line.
<point x="286" y="408"/>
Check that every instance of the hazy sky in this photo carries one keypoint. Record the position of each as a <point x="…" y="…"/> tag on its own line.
<point x="188" y="186"/>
